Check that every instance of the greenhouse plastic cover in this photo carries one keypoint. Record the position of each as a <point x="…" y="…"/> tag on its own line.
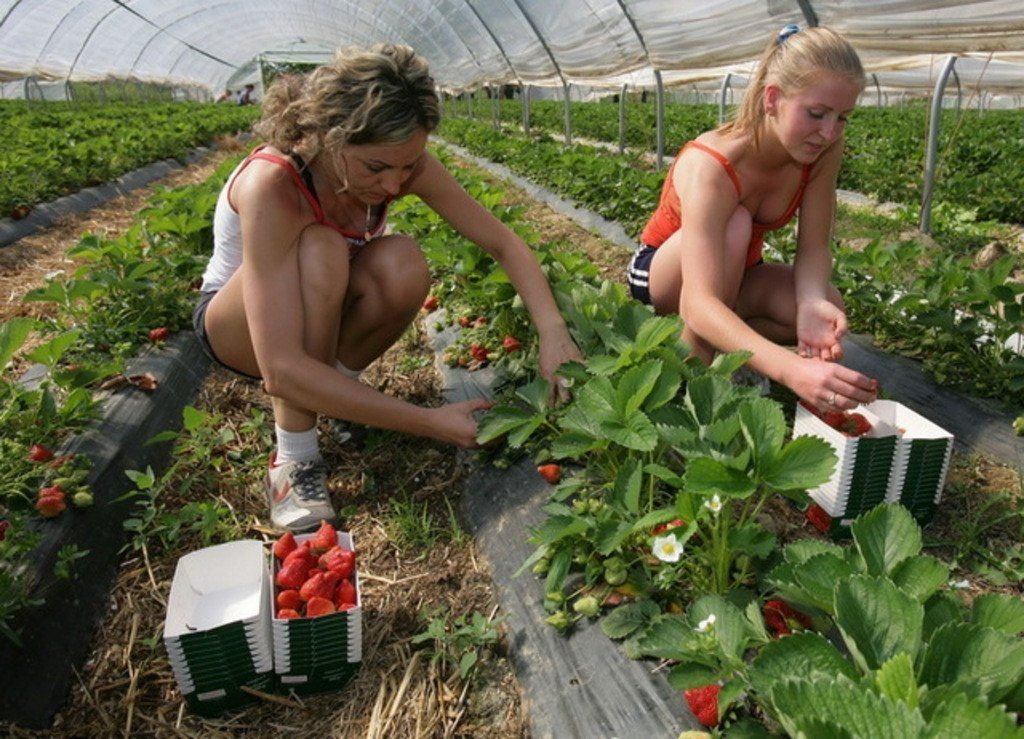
<point x="470" y="43"/>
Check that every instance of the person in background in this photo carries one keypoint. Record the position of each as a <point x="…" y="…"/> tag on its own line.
<point x="225" y="97"/>
<point x="306" y="288"/>
<point x="700" y="253"/>
<point x="246" y="96"/>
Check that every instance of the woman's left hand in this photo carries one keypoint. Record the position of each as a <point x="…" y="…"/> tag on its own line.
<point x="820" y="326"/>
<point x="557" y="348"/>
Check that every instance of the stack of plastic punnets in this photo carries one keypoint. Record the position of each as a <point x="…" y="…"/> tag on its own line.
<point x="217" y="633"/>
<point x="903" y="458"/>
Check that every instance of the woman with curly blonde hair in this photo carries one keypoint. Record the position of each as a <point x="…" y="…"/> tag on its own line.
<point x="700" y="253"/>
<point x="305" y="288"/>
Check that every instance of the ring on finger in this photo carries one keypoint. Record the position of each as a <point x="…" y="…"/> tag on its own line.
<point x="832" y="400"/>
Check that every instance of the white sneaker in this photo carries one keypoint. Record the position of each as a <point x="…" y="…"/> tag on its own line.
<point x="298" y="496"/>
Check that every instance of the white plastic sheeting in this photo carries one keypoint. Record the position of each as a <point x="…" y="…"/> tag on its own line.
<point x="470" y="43"/>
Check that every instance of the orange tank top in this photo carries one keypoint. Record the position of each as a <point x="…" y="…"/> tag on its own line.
<point x="667" y="217"/>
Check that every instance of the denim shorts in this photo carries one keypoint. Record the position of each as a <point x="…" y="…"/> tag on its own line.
<point x="199" y="326"/>
<point x="638" y="273"/>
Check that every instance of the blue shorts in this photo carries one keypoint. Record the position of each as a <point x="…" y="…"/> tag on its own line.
<point x="639" y="272"/>
<point x="199" y="326"/>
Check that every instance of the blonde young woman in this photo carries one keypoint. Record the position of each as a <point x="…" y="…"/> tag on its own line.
<point x="700" y="253"/>
<point x="305" y="288"/>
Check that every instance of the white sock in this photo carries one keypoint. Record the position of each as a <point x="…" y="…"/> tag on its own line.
<point x="349" y="373"/>
<point x="296" y="446"/>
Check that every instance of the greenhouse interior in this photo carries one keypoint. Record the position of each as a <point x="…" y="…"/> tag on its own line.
<point x="512" y="368"/>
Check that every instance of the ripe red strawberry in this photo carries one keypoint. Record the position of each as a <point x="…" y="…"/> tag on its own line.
<point x="159" y="334"/>
<point x="511" y="344"/>
<point x="285" y="545"/>
<point x="430" y="304"/>
<point x="855" y="424"/>
<point x="480" y="321"/>
<point x="819" y="518"/>
<point x="302" y="554"/>
<point x="293" y="572"/>
<point x="782" y="618"/>
<point x="346" y="593"/>
<point x="58" y="462"/>
<point x="316" y="587"/>
<point x="318" y="606"/>
<point x="342" y="561"/>
<point x="20" y="211"/>
<point x="465" y="321"/>
<point x="325" y="537"/>
<point x="550" y="472"/>
<point x="288" y="613"/>
<point x="661" y="528"/>
<point x="289" y="598"/>
<point x="4" y="525"/>
<point x="703" y="702"/>
<point x="478" y="352"/>
<point x="51" y="504"/>
<point x="39" y="453"/>
<point x="834" y="418"/>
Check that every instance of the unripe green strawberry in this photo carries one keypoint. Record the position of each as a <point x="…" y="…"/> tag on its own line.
<point x="587" y="606"/>
<point x="559" y="620"/>
<point x="81" y="499"/>
<point x="542" y="566"/>
<point x="615" y="577"/>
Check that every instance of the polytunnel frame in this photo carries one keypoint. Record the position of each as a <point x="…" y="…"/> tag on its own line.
<point x="806" y="8"/>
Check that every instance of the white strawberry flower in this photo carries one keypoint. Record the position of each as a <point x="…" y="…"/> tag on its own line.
<point x="714" y="505"/>
<point x="668" y="548"/>
<point x="707" y="624"/>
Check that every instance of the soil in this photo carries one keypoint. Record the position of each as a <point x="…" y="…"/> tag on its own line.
<point x="402" y="690"/>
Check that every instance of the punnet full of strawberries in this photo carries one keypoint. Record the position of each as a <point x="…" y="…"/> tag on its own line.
<point x="314" y="577"/>
<point x="850" y="423"/>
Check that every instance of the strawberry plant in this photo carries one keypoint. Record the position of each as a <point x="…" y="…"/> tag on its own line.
<point x="660" y="438"/>
<point x="913" y="655"/>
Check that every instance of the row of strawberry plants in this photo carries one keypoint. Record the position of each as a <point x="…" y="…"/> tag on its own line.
<point x="57" y="148"/>
<point x="663" y="471"/>
<point x="962" y="315"/>
<point x="126" y="292"/>
<point x="979" y="150"/>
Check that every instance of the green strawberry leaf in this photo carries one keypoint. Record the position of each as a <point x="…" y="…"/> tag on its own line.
<point x="804" y="707"/>
<point x="885" y="536"/>
<point x="806" y="654"/>
<point x="980" y="660"/>
<point x="877" y="620"/>
<point x="962" y="716"/>
<point x="629" y="618"/>
<point x="1000" y="611"/>
<point x="920" y="576"/>
<point x="895" y="680"/>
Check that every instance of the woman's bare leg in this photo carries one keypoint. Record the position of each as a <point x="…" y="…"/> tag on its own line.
<point x="667" y="282"/>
